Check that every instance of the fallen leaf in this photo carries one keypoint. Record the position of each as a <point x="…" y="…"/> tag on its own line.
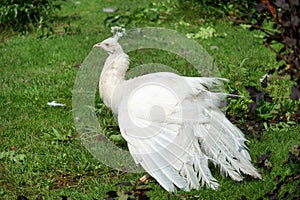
<point x="261" y="161"/>
<point x="295" y="94"/>
<point x="264" y="82"/>
<point x="255" y="94"/>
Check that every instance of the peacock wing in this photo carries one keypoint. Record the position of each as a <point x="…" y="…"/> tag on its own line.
<point x="158" y="127"/>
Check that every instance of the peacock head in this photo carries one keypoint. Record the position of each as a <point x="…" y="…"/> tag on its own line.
<point x="110" y="45"/>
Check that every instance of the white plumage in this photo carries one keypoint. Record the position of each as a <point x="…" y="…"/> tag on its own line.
<point x="172" y="124"/>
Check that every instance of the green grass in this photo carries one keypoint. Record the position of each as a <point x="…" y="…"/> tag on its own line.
<point x="41" y="154"/>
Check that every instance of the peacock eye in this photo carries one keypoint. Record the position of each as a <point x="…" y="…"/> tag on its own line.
<point x="106" y="44"/>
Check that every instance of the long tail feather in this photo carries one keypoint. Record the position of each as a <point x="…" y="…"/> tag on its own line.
<point x="219" y="141"/>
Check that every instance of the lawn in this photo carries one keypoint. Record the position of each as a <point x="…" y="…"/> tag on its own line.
<point x="41" y="154"/>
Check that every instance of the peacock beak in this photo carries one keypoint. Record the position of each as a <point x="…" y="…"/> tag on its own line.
<point x="97" y="45"/>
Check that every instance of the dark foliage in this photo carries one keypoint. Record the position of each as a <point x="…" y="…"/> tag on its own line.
<point x="258" y="95"/>
<point x="20" y="14"/>
<point x="294" y="157"/>
<point x="285" y="18"/>
<point x="130" y="191"/>
<point x="290" y="181"/>
<point x="259" y="110"/>
<point x="263" y="112"/>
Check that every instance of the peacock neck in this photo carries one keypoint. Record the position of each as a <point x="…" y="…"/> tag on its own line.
<point x="112" y="75"/>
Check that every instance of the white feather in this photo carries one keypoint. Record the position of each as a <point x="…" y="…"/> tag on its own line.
<point x="172" y="124"/>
